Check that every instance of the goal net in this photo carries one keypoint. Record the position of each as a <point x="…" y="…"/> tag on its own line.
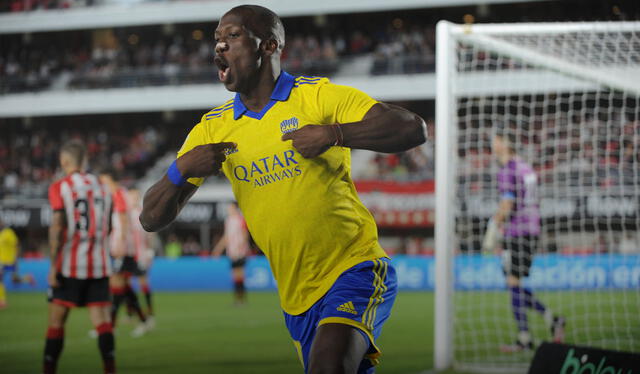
<point x="565" y="97"/>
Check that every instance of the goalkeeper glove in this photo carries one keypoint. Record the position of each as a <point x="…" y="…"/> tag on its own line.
<point x="491" y="238"/>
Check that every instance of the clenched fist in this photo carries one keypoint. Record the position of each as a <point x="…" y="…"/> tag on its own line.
<point x="311" y="140"/>
<point x="204" y="160"/>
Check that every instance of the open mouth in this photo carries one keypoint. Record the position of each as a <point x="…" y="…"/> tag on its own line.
<point x="223" y="68"/>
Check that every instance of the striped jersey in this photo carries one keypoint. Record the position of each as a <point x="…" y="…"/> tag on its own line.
<point x="121" y="206"/>
<point x="139" y="237"/>
<point x="235" y="229"/>
<point x="87" y="207"/>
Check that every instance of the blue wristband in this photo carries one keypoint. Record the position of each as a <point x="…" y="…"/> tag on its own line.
<point x="175" y="176"/>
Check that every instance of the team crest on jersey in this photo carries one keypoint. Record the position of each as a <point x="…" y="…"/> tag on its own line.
<point x="289" y="125"/>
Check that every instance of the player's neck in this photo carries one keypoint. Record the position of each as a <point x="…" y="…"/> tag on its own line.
<point x="506" y="157"/>
<point x="260" y="94"/>
<point x="72" y="169"/>
<point x="114" y="186"/>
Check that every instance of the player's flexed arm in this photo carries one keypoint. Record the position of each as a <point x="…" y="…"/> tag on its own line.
<point x="164" y="200"/>
<point x="385" y="128"/>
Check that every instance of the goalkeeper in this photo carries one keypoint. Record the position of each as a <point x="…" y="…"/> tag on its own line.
<point x="518" y="219"/>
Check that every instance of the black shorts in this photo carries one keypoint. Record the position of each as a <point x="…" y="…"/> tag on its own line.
<point x="127" y="265"/>
<point x="74" y="292"/>
<point x="238" y="263"/>
<point x="518" y="255"/>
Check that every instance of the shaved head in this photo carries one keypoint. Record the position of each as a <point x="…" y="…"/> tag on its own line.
<point x="262" y="22"/>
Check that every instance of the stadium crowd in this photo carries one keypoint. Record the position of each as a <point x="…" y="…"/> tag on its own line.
<point x="41" y="5"/>
<point x="29" y="157"/>
<point x="28" y="154"/>
<point x="133" y="58"/>
<point x="416" y="164"/>
<point x="588" y="153"/>
<point x="397" y="43"/>
<point x="29" y="5"/>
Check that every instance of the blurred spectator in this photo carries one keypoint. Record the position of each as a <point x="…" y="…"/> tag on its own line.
<point x="405" y="52"/>
<point x="629" y="243"/>
<point x="149" y="57"/>
<point x="415" y="164"/>
<point x="191" y="247"/>
<point x="28" y="154"/>
<point x="172" y="248"/>
<point x="28" y="5"/>
<point x="580" y="152"/>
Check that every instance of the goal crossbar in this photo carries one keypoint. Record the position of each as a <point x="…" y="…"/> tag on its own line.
<point x="541" y="28"/>
<point x="629" y="83"/>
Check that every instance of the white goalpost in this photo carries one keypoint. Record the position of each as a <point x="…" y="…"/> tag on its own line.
<point x="568" y="96"/>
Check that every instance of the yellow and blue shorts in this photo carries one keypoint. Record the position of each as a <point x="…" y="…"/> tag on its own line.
<point x="6" y="268"/>
<point x="361" y="297"/>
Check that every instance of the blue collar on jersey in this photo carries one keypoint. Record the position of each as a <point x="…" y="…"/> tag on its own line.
<point x="281" y="92"/>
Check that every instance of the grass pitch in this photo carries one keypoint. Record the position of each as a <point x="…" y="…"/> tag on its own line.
<point x="203" y="333"/>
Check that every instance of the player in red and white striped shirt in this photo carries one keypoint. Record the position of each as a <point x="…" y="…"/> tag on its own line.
<point x="80" y="265"/>
<point x="143" y="252"/>
<point x="236" y="241"/>
<point x="123" y="251"/>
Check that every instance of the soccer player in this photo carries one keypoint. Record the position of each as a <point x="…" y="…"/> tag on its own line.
<point x="144" y="253"/>
<point x="518" y="218"/>
<point x="9" y="253"/>
<point x="236" y="241"/>
<point x="123" y="252"/>
<point x="80" y="267"/>
<point x="284" y="144"/>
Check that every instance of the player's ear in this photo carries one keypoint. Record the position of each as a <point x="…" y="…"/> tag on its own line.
<point x="269" y="46"/>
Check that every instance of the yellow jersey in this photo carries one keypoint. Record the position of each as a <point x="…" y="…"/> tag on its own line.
<point x="304" y="214"/>
<point x="8" y="246"/>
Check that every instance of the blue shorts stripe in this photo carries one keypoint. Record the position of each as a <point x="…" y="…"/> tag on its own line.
<point x="366" y="317"/>
<point x="379" y="298"/>
<point x="8" y="268"/>
<point x="382" y="273"/>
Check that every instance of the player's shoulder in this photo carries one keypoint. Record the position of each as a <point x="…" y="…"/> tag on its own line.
<point x="310" y="88"/>
<point x="524" y="165"/>
<point x="55" y="185"/>
<point x="517" y="167"/>
<point x="122" y="192"/>
<point x="92" y="178"/>
<point x="321" y="87"/>
<point x="219" y="111"/>
<point x="505" y="169"/>
<point x="309" y="82"/>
